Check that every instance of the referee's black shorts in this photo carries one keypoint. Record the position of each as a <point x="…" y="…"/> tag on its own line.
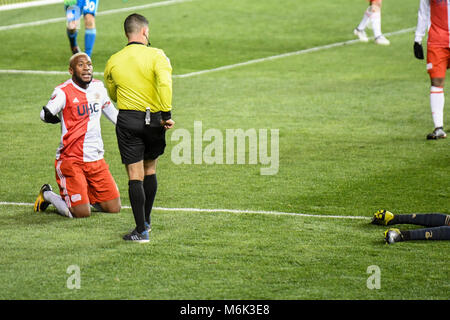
<point x="136" y="140"/>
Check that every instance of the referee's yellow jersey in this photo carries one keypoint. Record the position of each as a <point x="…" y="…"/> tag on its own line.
<point x="138" y="77"/>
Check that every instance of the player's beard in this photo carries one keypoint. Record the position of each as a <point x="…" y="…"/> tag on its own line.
<point x="80" y="81"/>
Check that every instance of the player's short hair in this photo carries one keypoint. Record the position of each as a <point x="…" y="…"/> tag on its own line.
<point x="76" y="55"/>
<point x="134" y="23"/>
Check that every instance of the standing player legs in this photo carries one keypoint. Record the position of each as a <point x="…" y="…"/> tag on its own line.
<point x="90" y="33"/>
<point x="359" y="30"/>
<point x="365" y="19"/>
<point x="142" y="187"/>
<point x="136" y="193"/>
<point x="437" y="64"/>
<point x="437" y="101"/>
<point x="73" y="23"/>
<point x="150" y="188"/>
<point x="375" y="19"/>
<point x="72" y="34"/>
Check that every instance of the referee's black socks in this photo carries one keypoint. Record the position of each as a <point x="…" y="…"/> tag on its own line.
<point x="150" y="188"/>
<point x="137" y="199"/>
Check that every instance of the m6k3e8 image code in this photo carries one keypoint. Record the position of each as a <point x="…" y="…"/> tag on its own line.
<point x="234" y="309"/>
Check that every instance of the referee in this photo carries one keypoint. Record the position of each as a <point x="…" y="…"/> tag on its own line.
<point x="139" y="79"/>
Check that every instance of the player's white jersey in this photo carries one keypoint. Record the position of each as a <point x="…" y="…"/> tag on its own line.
<point x="80" y="111"/>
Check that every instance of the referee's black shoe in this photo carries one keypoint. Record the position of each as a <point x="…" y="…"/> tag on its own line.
<point x="135" y="236"/>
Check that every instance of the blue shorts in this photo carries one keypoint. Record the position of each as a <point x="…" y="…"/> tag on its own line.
<point x="87" y="6"/>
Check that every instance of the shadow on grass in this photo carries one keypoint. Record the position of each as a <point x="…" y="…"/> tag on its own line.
<point x="25" y="216"/>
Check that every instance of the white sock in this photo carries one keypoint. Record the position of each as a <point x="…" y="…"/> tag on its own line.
<point x="437" y="101"/>
<point x="375" y="18"/>
<point x="58" y="202"/>
<point x="365" y="20"/>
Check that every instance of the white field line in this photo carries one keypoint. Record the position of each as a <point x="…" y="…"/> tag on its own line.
<point x="22" y="5"/>
<point x="13" y="71"/>
<point x="43" y="72"/>
<point x="277" y="213"/>
<point x="285" y="55"/>
<point x="231" y="66"/>
<point x="101" y="13"/>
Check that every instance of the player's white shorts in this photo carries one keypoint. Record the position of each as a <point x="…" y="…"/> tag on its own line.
<point x="86" y="6"/>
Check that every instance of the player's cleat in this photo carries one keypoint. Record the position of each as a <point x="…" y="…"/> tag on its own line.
<point x="381" y="40"/>
<point x="75" y="49"/>
<point x="40" y="204"/>
<point x="438" y="133"/>
<point x="137" y="237"/>
<point x="382" y="217"/>
<point x="392" y="235"/>
<point x="361" y="34"/>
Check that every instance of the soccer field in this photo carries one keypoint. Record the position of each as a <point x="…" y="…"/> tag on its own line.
<point x="345" y="122"/>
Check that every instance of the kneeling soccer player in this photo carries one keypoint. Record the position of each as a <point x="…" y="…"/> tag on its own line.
<point x="82" y="174"/>
<point x="437" y="226"/>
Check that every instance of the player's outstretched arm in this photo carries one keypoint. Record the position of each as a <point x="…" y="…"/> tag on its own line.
<point x="110" y="113"/>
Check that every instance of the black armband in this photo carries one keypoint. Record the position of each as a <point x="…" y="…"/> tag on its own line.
<point x="166" y="115"/>
<point x="49" y="117"/>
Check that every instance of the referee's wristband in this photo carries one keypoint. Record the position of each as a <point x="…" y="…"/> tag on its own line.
<point x="166" y="115"/>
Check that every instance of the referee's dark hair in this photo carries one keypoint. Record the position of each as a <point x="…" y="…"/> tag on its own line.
<point x="134" y="23"/>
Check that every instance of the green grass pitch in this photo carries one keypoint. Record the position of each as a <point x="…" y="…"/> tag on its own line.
<point x="352" y="123"/>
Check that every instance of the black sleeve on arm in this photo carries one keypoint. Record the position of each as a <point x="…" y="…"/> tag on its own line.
<point x="49" y="117"/>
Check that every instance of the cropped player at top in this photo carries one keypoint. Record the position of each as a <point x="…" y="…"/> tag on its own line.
<point x="434" y="16"/>
<point x="81" y="172"/>
<point x="372" y="15"/>
<point x="74" y="9"/>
